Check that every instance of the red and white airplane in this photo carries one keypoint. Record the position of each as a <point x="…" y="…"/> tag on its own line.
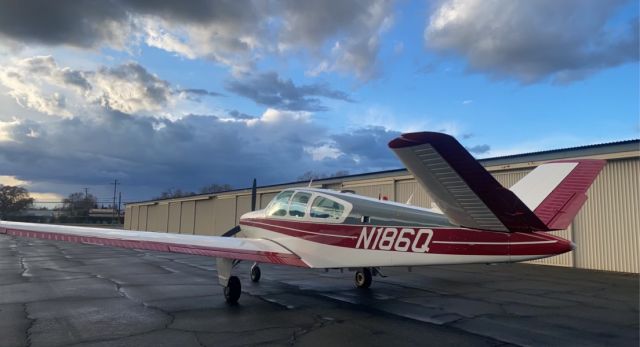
<point x="478" y="220"/>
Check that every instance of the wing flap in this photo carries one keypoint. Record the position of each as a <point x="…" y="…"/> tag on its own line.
<point x="259" y="250"/>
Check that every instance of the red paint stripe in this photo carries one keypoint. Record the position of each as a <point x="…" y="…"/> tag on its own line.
<point x="258" y="256"/>
<point x="326" y="234"/>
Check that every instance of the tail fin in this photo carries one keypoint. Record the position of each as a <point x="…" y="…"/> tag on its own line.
<point x="555" y="191"/>
<point x="470" y="196"/>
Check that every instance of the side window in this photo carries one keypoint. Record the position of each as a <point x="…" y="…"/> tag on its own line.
<point x="298" y="204"/>
<point x="326" y="208"/>
<point x="279" y="205"/>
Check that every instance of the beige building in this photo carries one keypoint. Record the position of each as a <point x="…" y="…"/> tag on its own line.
<point x="605" y="231"/>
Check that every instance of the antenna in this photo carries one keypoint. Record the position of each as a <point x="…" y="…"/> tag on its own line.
<point x="410" y="198"/>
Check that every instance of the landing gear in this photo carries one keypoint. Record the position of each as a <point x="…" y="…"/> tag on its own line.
<point x="255" y="273"/>
<point x="363" y="278"/>
<point x="232" y="290"/>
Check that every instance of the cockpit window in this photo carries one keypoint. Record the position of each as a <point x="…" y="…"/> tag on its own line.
<point x="298" y="205"/>
<point x="279" y="205"/>
<point x="326" y="208"/>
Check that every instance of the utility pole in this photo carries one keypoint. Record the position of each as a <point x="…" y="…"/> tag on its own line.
<point x="115" y="189"/>
<point x="119" y="202"/>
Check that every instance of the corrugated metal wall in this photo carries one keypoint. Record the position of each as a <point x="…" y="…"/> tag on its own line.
<point x="606" y="230"/>
<point x="607" y="227"/>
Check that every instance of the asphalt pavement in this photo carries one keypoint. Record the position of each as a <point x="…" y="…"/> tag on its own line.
<point x="61" y="294"/>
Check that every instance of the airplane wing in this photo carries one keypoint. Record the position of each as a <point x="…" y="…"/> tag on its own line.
<point x="258" y="250"/>
<point x="467" y="194"/>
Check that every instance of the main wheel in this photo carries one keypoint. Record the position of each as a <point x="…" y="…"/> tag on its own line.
<point x="255" y="273"/>
<point x="233" y="290"/>
<point x="363" y="278"/>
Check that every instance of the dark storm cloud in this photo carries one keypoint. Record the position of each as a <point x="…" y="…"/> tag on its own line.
<point x="152" y="154"/>
<point x="222" y="31"/>
<point x="534" y="40"/>
<point x="77" y="23"/>
<point x="270" y="90"/>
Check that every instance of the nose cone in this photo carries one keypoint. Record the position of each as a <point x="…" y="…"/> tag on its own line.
<point x="573" y="246"/>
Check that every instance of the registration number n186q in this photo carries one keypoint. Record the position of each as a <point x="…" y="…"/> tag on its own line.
<point x="395" y="239"/>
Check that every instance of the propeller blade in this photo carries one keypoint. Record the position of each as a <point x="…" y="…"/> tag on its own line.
<point x="253" y="195"/>
<point x="232" y="231"/>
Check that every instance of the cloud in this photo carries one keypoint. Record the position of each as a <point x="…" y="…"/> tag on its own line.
<point x="85" y="24"/>
<point x="534" y="40"/>
<point x="89" y="151"/>
<point x="39" y="84"/>
<point x="270" y="90"/>
<point x="354" y="27"/>
<point x="196" y="94"/>
<point x="479" y="149"/>
<point x="234" y="33"/>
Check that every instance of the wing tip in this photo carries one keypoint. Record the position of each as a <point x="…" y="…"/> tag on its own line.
<point x="418" y="138"/>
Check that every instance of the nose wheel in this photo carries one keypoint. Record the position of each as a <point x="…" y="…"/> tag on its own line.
<point x="363" y="278"/>
<point x="255" y="273"/>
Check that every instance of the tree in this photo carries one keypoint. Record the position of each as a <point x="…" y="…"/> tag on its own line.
<point x="214" y="188"/>
<point x="79" y="204"/>
<point x="13" y="199"/>
<point x="310" y="175"/>
<point x="173" y="193"/>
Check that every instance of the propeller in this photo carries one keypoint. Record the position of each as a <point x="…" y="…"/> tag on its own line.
<point x="236" y="229"/>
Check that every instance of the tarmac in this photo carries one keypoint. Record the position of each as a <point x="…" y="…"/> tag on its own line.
<point x="63" y="294"/>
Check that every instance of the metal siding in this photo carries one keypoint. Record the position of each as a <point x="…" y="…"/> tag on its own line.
<point x="243" y="205"/>
<point x="187" y="215"/>
<point x="142" y="218"/>
<point x="606" y="229"/>
<point x="373" y="190"/>
<point x="225" y="215"/>
<point x="406" y="188"/>
<point x="157" y="217"/>
<point x="135" y="217"/>
<point x="205" y="212"/>
<point x="174" y="217"/>
<point x="127" y="217"/>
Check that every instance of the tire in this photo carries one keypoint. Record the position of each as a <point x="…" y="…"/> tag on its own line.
<point x="363" y="278"/>
<point x="233" y="290"/>
<point x="255" y="273"/>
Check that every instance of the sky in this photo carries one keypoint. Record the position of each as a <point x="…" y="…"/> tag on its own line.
<point x="178" y="95"/>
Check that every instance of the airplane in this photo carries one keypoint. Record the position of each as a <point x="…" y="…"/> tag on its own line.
<point x="477" y="220"/>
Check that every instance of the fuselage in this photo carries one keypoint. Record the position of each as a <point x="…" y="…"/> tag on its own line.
<point x="330" y="229"/>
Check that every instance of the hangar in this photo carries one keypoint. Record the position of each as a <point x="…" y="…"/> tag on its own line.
<point x="605" y="231"/>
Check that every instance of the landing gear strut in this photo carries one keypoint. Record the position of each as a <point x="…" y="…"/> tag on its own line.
<point x="232" y="290"/>
<point x="363" y="278"/>
<point x="255" y="273"/>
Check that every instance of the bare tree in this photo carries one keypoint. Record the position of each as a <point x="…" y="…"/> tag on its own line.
<point x="173" y="193"/>
<point x="214" y="188"/>
<point x="311" y="175"/>
<point x="13" y="199"/>
<point x="79" y="204"/>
